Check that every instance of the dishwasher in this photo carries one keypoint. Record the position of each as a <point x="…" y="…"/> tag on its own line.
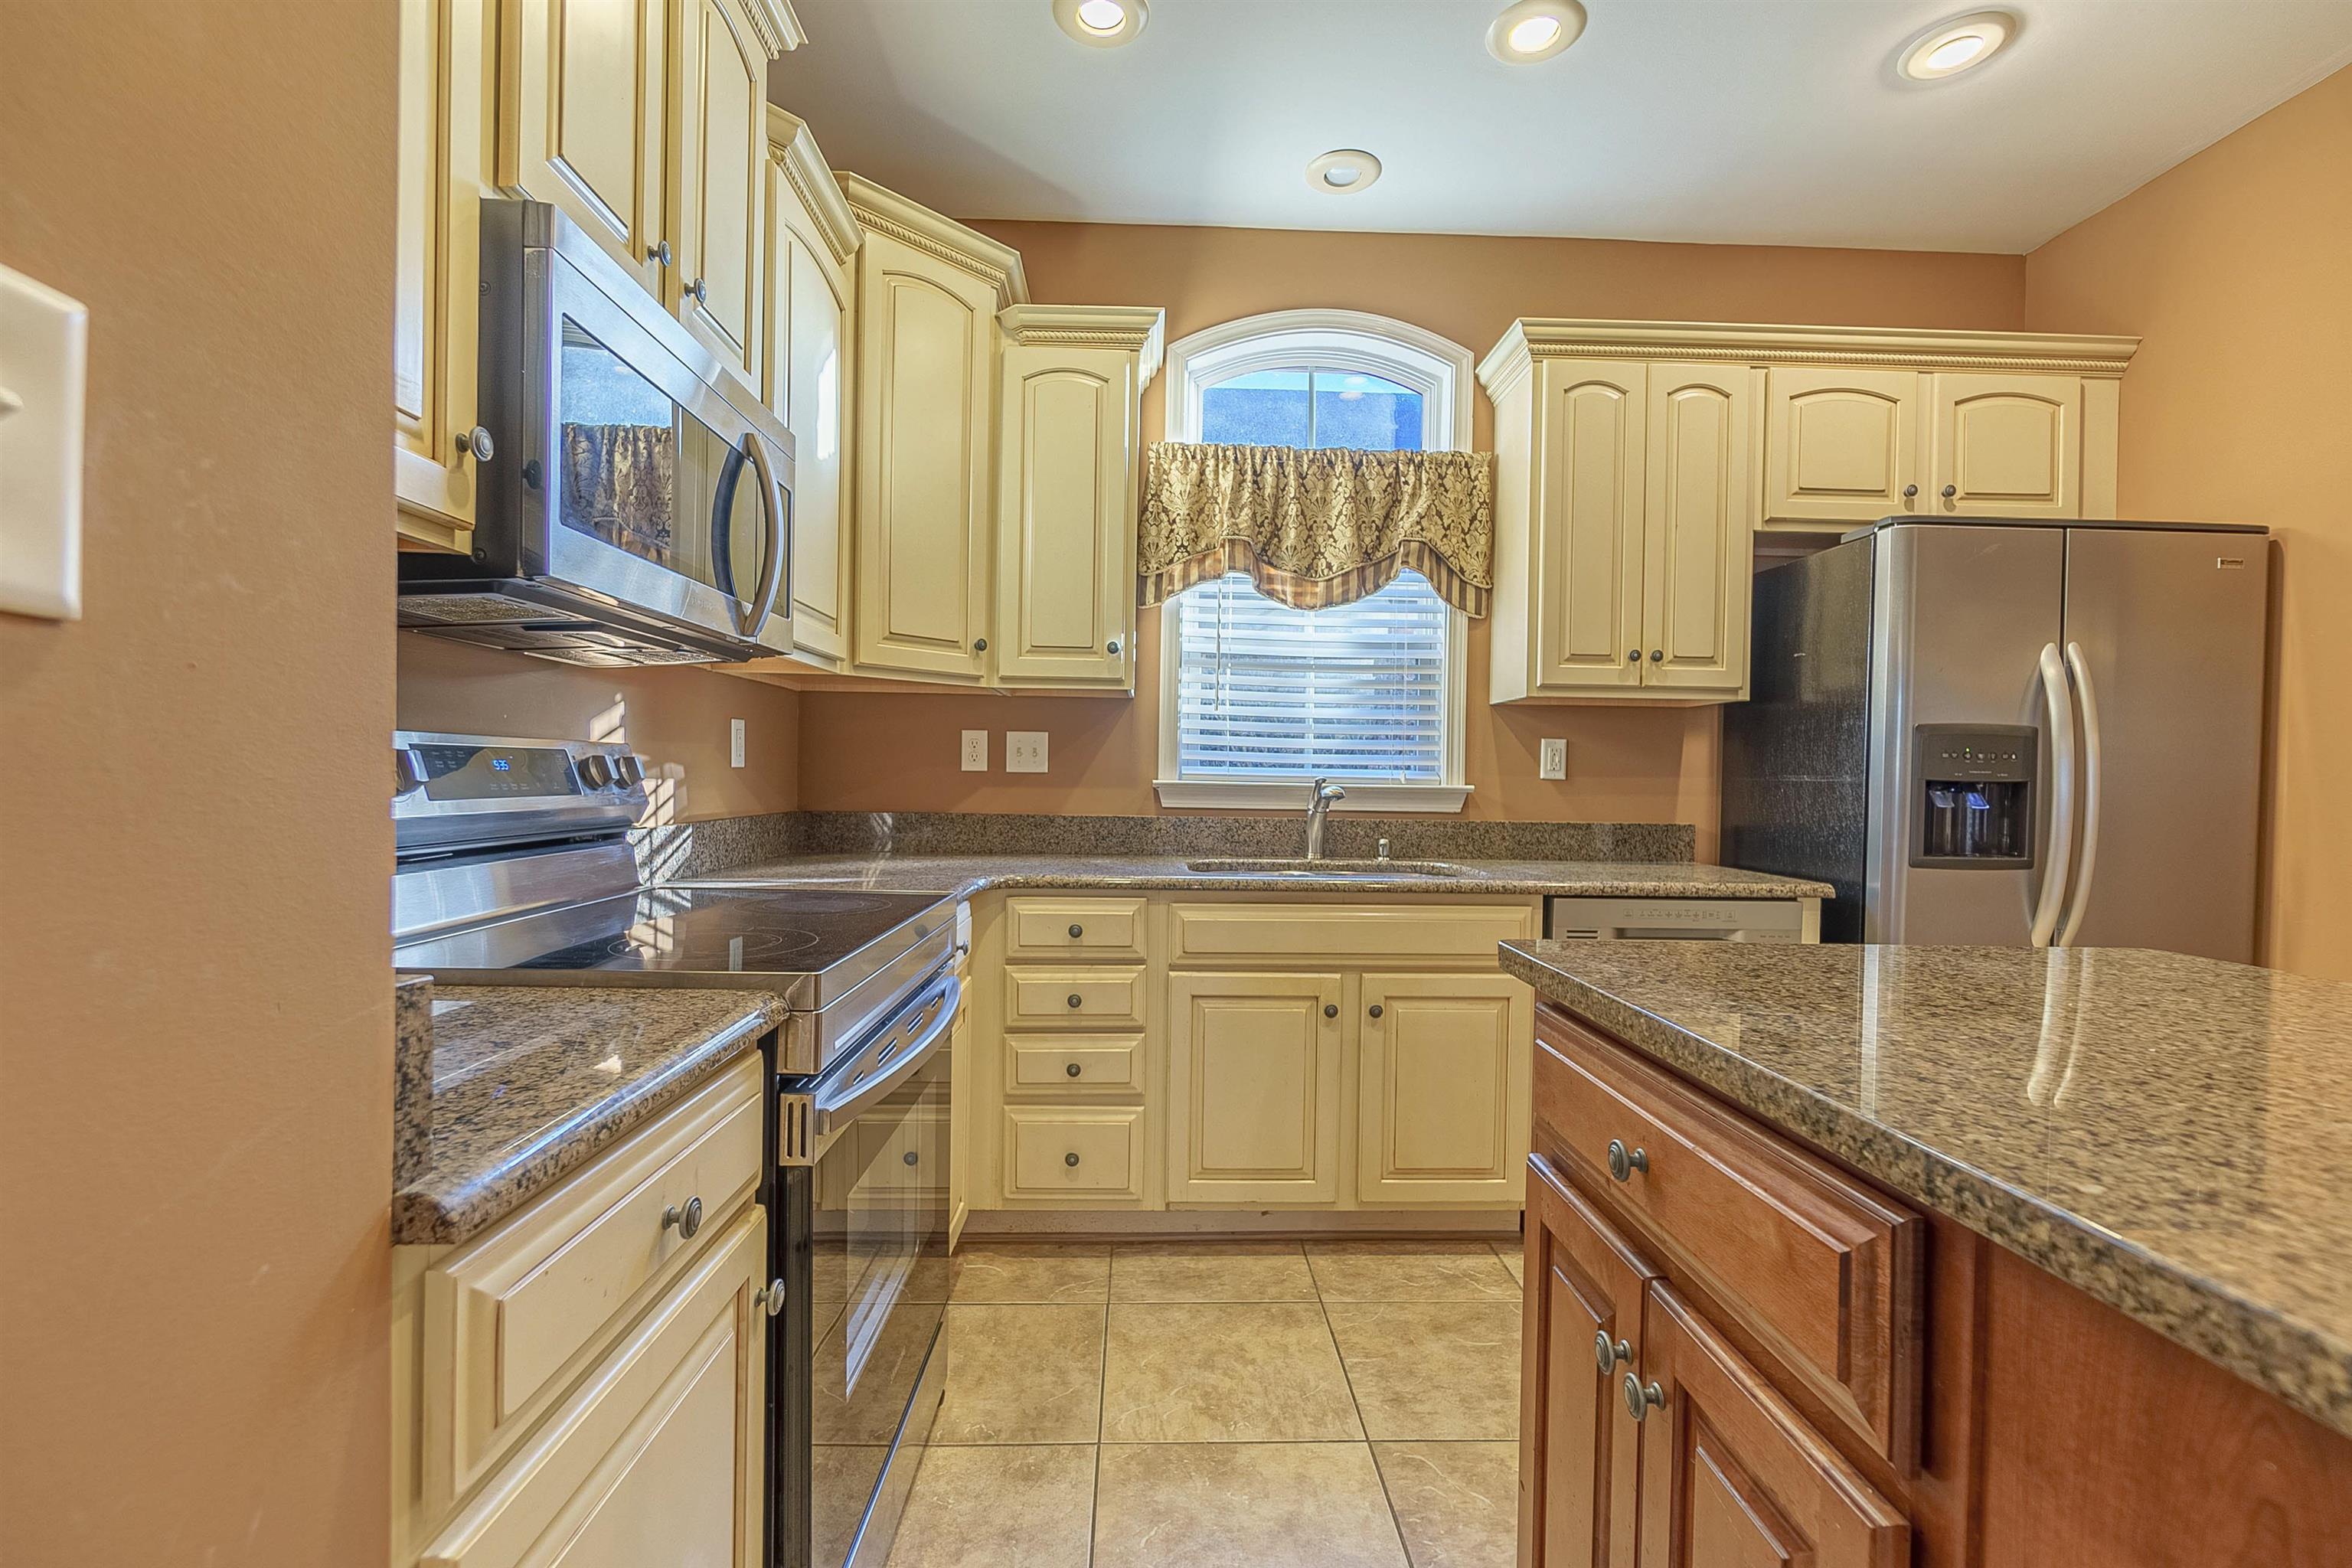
<point x="1674" y="919"/>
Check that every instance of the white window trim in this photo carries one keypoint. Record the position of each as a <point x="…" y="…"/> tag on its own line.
<point x="1348" y="340"/>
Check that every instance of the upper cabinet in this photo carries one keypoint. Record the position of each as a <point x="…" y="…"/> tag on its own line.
<point x="1636" y="461"/>
<point x="719" y="279"/>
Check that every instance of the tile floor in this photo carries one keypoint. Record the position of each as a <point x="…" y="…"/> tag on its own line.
<point x="1246" y="1405"/>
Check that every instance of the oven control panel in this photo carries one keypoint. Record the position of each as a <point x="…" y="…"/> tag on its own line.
<point x="481" y="791"/>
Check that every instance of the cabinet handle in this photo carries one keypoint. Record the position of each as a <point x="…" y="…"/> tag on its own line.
<point x="1910" y="492"/>
<point x="688" y="1219"/>
<point x="477" y="441"/>
<point x="659" y="253"/>
<point x="979" y="645"/>
<point x="1624" y="1163"/>
<point x="772" y="1299"/>
<point x="700" y="290"/>
<point x="1111" y="647"/>
<point x="1076" y="929"/>
<point x="1949" y="491"/>
<point x="1330" y="1009"/>
<point x="1071" y="1160"/>
<point x="1071" y="1070"/>
<point x="1376" y="1009"/>
<point x="1640" y="1398"/>
<point x="1075" y="999"/>
<point x="1609" y="1351"/>
<point x="1633" y="656"/>
<point x="1657" y="656"/>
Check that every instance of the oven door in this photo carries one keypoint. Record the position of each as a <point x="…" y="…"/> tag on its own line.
<point x="868" y="1277"/>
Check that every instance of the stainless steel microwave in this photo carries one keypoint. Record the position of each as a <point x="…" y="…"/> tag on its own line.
<point x="634" y="500"/>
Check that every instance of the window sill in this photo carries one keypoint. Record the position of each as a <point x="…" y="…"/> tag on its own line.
<point x="1283" y="795"/>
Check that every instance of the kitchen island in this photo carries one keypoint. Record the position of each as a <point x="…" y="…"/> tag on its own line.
<point x="1936" y="1254"/>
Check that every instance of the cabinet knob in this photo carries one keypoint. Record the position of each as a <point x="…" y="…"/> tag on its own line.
<point x="1330" y="1009"/>
<point x="1624" y="1161"/>
<point x="1949" y="491"/>
<point x="1640" y="1398"/>
<point x="1609" y="1351"/>
<point x="1075" y="999"/>
<point x="700" y="290"/>
<point x="1657" y="656"/>
<point x="1111" y="647"/>
<point x="772" y="1299"/>
<point x="477" y="441"/>
<point x="659" y="253"/>
<point x="1910" y="492"/>
<point x="1071" y="1070"/>
<point x="688" y="1219"/>
<point x="979" y="645"/>
<point x="1633" y="656"/>
<point x="1376" y="1009"/>
<point x="1070" y="1159"/>
<point x="1076" y="929"/>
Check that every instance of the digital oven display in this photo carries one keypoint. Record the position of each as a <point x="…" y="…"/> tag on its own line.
<point x="484" y="773"/>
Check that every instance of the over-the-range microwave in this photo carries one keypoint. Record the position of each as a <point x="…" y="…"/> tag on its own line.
<point x="635" y="499"/>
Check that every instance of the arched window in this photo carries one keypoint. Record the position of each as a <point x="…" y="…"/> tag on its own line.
<point x="1257" y="697"/>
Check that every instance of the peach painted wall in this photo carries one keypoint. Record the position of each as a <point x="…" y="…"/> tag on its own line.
<point x="1643" y="764"/>
<point x="2235" y="268"/>
<point x="195" y="1004"/>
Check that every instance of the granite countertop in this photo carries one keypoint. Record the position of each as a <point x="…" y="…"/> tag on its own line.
<point x="2172" y="1135"/>
<point x="964" y="875"/>
<point x="529" y="1082"/>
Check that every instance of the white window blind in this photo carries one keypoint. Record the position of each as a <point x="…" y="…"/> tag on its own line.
<point x="1355" y="691"/>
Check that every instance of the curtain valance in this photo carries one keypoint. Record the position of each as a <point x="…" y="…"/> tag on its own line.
<point x="1317" y="528"/>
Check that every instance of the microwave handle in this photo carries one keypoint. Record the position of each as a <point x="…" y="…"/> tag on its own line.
<point x="754" y="613"/>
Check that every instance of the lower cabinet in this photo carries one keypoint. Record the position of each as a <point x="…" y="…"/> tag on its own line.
<point x="1063" y="1151"/>
<point x="1442" y="1089"/>
<point x="1254" y="1087"/>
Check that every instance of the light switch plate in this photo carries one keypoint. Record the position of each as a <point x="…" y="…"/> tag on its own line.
<point x="43" y="371"/>
<point x="1025" y="750"/>
<point x="1551" y="759"/>
<point x="975" y="750"/>
<point x="734" y="743"/>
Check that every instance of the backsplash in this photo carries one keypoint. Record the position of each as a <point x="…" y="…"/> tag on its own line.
<point x="707" y="848"/>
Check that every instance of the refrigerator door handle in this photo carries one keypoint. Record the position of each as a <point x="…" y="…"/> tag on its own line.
<point x="2058" y="863"/>
<point x="2093" y="778"/>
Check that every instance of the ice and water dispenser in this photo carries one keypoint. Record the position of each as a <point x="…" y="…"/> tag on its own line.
<point x="1975" y="784"/>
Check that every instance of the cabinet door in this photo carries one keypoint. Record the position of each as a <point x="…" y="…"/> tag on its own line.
<point x="1840" y="446"/>
<point x="925" y="382"/>
<point x="437" y="267"/>
<point x="1699" y="527"/>
<point x="1588" y="537"/>
<point x="583" y="118"/>
<point x="1442" y="1089"/>
<point x="722" y="126"/>
<point x="2007" y="445"/>
<point x="1731" y="1476"/>
<point x="659" y="1456"/>
<point x="1254" y="1089"/>
<point x="1064" y="517"/>
<point x="805" y="343"/>
<point x="1579" y="1445"/>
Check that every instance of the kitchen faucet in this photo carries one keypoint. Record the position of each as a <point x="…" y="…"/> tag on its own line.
<point x="1318" y="807"/>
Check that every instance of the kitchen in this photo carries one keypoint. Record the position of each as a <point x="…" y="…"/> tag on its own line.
<point x="949" y="1082"/>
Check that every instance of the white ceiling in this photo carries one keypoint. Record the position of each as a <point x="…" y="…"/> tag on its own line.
<point x="1774" y="121"/>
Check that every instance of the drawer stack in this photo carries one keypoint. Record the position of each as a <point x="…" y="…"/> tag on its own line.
<point x="1075" y="1060"/>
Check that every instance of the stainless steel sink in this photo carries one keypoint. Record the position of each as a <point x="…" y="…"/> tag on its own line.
<point x="1330" y="866"/>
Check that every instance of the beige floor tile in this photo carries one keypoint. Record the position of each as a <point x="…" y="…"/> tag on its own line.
<point x="1021" y="1374"/>
<point x="999" y="1508"/>
<point x="1410" y="1271"/>
<point x="1225" y="1373"/>
<point x="1212" y="1271"/>
<point x="1457" y="1503"/>
<point x="843" y="1482"/>
<point x="1431" y="1370"/>
<point x="1242" y="1505"/>
<point x="869" y="1412"/>
<point x="1515" y="1258"/>
<point x="1012" y="1271"/>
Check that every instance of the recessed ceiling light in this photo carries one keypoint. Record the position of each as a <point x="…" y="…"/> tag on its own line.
<point x="1105" y="24"/>
<point x="1531" y="30"/>
<point x="1343" y="171"/>
<point x="1947" y="48"/>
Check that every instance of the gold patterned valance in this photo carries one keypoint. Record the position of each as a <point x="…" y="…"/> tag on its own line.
<point x="1317" y="528"/>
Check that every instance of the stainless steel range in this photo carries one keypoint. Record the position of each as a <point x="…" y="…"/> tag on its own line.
<point x="515" y="868"/>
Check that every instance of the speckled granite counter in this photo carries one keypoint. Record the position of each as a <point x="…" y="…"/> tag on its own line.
<point x="530" y="1082"/>
<point x="2171" y="1135"/>
<point x="964" y="875"/>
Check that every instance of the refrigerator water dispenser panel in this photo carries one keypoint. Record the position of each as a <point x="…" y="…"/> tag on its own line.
<point x="1976" y="788"/>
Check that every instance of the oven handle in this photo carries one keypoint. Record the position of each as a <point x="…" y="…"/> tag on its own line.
<point x="948" y="994"/>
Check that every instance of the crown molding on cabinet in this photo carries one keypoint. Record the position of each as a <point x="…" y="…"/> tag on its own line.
<point x="1528" y="340"/>
<point x="794" y="146"/>
<point x="779" y="31"/>
<point x="1139" y="328"/>
<point x="880" y="210"/>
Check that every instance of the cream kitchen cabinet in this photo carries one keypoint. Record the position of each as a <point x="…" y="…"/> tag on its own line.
<point x="811" y="318"/>
<point x="1442" y="1089"/>
<point x="1840" y="443"/>
<point x="1068" y="467"/>
<point x="1698" y="527"/>
<point x="1254" y="1103"/>
<point x="2005" y="446"/>
<point x="442" y="155"/>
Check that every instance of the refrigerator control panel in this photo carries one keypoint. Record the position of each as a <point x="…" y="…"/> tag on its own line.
<point x="1975" y="806"/>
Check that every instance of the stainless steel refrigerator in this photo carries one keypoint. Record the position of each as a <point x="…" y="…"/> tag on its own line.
<point x="1988" y="729"/>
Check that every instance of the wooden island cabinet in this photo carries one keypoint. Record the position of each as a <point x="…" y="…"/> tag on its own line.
<point x="1738" y="1353"/>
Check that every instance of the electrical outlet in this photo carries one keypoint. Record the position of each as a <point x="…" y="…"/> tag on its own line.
<point x="1025" y="750"/>
<point x="1551" y="759"/>
<point x="734" y="743"/>
<point x="975" y="750"/>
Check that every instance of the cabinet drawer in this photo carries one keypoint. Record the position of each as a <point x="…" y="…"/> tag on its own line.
<point x="1820" y="1269"/>
<point x="1075" y="1064"/>
<point x="1053" y="1152"/>
<point x="1073" y="999"/>
<point x="508" y="1312"/>
<point x="1073" y="928"/>
<point x="1221" y="933"/>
